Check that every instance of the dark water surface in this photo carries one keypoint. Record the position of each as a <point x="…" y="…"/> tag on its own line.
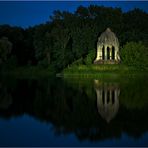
<point x="74" y="112"/>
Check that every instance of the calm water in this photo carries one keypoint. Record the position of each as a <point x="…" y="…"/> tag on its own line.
<point x="74" y="112"/>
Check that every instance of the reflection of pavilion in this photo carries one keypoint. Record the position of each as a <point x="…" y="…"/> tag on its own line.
<point x="107" y="99"/>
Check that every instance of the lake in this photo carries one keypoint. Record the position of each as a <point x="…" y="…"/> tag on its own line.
<point x="74" y="112"/>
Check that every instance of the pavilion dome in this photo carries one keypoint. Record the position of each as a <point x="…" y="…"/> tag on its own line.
<point x="108" y="38"/>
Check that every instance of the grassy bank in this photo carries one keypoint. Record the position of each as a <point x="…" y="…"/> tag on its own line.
<point x="83" y="71"/>
<point x="28" y="72"/>
<point x="102" y="71"/>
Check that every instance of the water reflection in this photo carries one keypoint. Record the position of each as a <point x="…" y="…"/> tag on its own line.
<point x="5" y="96"/>
<point x="107" y="99"/>
<point x="79" y="107"/>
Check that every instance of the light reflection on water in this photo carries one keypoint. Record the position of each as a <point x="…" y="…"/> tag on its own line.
<point x="81" y="112"/>
<point x="107" y="99"/>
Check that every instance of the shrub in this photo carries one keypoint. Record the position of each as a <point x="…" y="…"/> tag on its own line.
<point x="134" y="54"/>
<point x="90" y="57"/>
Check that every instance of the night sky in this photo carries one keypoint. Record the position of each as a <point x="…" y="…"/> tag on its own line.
<point x="30" y="13"/>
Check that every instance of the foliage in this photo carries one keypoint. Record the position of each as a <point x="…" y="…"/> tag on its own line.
<point x="135" y="54"/>
<point x="11" y="63"/>
<point x="70" y="38"/>
<point x="90" y="57"/>
<point x="22" y="41"/>
<point x="42" y="44"/>
<point x="5" y="49"/>
<point x="29" y="72"/>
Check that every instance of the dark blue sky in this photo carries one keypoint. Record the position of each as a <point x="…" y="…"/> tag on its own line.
<point x="29" y="13"/>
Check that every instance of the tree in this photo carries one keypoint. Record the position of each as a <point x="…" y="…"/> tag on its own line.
<point x="68" y="36"/>
<point x="42" y="41"/>
<point x="135" y="54"/>
<point x="5" y="49"/>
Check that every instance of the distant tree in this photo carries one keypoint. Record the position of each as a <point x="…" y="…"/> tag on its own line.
<point x="29" y="46"/>
<point x="17" y="36"/>
<point x="135" y="28"/>
<point x="5" y="49"/>
<point x="82" y="12"/>
<point x="42" y="41"/>
<point x="68" y="36"/>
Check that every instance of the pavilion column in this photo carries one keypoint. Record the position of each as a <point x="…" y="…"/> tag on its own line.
<point x="97" y="58"/>
<point x="105" y="52"/>
<point x="99" y="53"/>
<point x="110" y="53"/>
<point x="115" y="55"/>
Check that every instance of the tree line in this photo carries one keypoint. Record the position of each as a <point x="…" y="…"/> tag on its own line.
<point x="68" y="36"/>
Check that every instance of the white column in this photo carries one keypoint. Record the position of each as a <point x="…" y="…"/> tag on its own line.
<point x="116" y="55"/>
<point x="105" y="52"/>
<point x="110" y="53"/>
<point x="99" y="53"/>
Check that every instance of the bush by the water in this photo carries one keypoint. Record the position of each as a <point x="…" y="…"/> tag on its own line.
<point x="134" y="58"/>
<point x="88" y="60"/>
<point x="134" y="54"/>
<point x="90" y="57"/>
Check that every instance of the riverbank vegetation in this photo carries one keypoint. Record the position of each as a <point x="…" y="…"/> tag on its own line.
<point x="67" y="41"/>
<point x="28" y="72"/>
<point x="134" y="59"/>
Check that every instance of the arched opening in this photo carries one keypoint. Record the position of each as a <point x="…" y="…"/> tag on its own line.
<point x="103" y="53"/>
<point x="108" y="53"/>
<point x="113" y="53"/>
